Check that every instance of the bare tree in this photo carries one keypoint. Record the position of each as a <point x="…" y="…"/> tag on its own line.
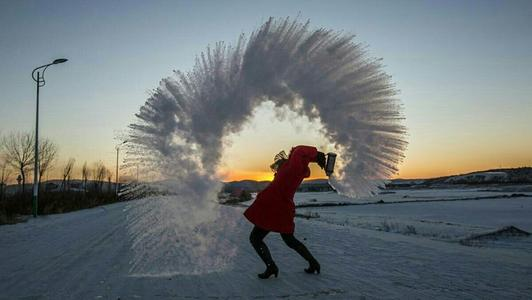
<point x="19" y="152"/>
<point x="47" y="155"/>
<point x="5" y="173"/>
<point x="85" y="172"/>
<point x="67" y="172"/>
<point x="109" y="177"/>
<point x="98" y="174"/>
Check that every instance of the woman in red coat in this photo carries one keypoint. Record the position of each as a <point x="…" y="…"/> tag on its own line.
<point x="274" y="209"/>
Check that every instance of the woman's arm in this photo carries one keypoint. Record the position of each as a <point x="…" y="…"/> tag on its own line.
<point x="304" y="155"/>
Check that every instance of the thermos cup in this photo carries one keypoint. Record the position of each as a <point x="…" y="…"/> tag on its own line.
<point x="329" y="166"/>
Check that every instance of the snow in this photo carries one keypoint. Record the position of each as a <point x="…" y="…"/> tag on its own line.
<point x="447" y="221"/>
<point x="409" y="195"/>
<point x="90" y="254"/>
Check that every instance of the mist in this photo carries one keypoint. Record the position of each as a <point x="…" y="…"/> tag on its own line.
<point x="321" y="74"/>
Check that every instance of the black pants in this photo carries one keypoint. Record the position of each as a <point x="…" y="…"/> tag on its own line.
<point x="256" y="238"/>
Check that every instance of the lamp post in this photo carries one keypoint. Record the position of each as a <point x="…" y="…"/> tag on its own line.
<point x="117" y="151"/>
<point x="40" y="83"/>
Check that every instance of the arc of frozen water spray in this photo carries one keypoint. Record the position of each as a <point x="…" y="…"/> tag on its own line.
<point x="178" y="136"/>
<point x="321" y="74"/>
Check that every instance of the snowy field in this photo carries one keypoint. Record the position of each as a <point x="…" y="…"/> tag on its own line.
<point x="451" y="221"/>
<point x="415" y="195"/>
<point x="376" y="251"/>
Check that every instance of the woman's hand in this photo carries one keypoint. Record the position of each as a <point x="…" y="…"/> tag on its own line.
<point x="321" y="159"/>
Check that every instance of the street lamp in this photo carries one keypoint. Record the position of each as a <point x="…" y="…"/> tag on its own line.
<point x="117" y="150"/>
<point x="40" y="83"/>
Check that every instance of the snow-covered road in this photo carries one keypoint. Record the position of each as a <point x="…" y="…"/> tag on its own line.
<point x="87" y="255"/>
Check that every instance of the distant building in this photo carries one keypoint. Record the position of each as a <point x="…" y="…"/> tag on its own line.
<point x="403" y="183"/>
<point x="236" y="193"/>
<point x="315" y="186"/>
<point x="51" y="187"/>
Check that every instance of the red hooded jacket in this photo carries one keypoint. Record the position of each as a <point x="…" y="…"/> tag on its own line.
<point x="274" y="208"/>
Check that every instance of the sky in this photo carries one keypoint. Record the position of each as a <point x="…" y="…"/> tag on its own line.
<point x="463" y="68"/>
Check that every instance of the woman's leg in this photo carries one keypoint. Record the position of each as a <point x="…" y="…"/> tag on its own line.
<point x="295" y="244"/>
<point x="256" y="238"/>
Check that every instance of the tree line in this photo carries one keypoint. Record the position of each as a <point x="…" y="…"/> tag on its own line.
<point x="17" y="159"/>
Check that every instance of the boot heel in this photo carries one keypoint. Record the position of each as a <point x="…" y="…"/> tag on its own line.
<point x="270" y="270"/>
<point x="314" y="268"/>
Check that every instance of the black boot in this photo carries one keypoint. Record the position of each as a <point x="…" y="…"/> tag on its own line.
<point x="270" y="270"/>
<point x="314" y="266"/>
<point x="256" y="237"/>
<point x="292" y="242"/>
